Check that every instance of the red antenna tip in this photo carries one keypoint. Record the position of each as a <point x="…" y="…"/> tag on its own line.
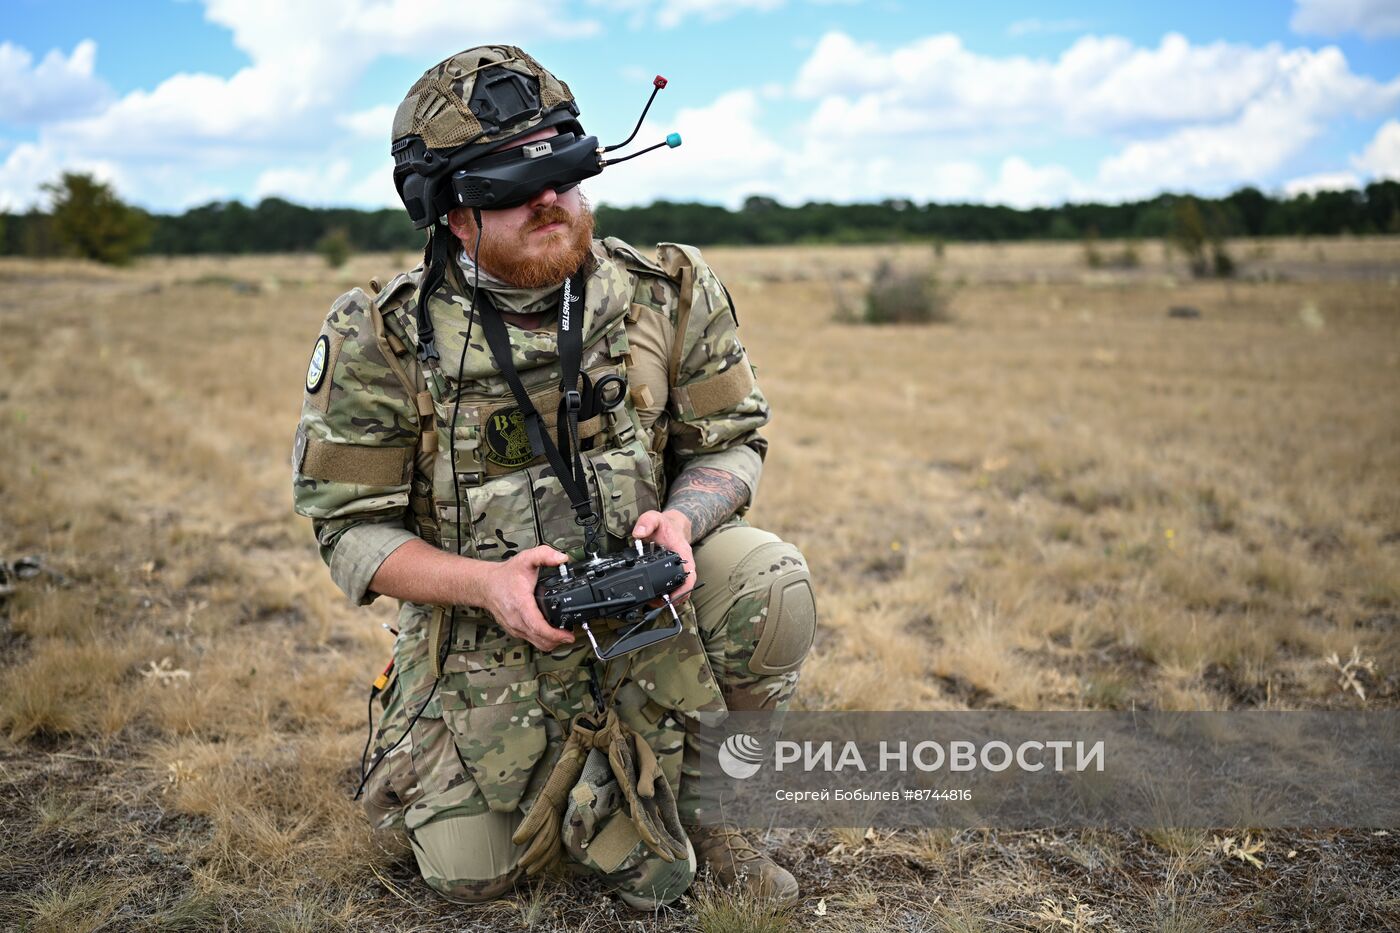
<point x="658" y="82"/>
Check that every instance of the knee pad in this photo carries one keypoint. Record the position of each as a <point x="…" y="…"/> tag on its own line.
<point x="759" y="591"/>
<point x="775" y="574"/>
<point x="469" y="858"/>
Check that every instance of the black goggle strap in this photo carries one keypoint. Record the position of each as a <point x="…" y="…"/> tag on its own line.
<point x="436" y="257"/>
<point x="564" y="457"/>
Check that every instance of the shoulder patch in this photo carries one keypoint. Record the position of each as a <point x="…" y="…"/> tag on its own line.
<point x="316" y="370"/>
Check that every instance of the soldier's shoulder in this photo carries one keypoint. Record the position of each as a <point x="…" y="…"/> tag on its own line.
<point x="633" y="259"/>
<point x="397" y="289"/>
<point x="652" y="286"/>
<point x="349" y="312"/>
<point x="668" y="260"/>
<point x="676" y="257"/>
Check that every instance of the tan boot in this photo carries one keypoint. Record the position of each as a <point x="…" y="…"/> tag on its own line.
<point x="734" y="861"/>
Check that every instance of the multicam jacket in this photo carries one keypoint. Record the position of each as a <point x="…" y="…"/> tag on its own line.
<point x="374" y="466"/>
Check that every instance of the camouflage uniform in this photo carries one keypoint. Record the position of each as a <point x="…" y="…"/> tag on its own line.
<point x="373" y="468"/>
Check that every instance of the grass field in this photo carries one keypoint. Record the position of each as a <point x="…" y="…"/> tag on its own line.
<point x="1063" y="498"/>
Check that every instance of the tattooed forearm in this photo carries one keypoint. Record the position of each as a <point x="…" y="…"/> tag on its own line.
<point x="707" y="497"/>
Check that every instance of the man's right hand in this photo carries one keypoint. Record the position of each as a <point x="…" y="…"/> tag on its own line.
<point x="510" y="597"/>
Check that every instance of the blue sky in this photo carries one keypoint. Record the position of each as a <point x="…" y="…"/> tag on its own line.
<point x="179" y="102"/>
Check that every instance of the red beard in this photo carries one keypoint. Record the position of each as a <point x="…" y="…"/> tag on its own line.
<point x="550" y="258"/>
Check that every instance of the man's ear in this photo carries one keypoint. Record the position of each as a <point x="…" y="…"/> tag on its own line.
<point x="459" y="222"/>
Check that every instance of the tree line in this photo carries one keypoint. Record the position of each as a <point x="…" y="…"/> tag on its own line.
<point x="87" y="218"/>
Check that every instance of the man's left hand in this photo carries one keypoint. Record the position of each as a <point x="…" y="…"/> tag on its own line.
<point x="670" y="529"/>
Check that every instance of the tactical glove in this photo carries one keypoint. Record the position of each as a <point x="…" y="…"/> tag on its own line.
<point x="541" y="826"/>
<point x="650" y="801"/>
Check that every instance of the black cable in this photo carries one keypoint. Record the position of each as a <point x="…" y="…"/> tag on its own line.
<point x="461" y="365"/>
<point x="369" y="737"/>
<point x="457" y="502"/>
<point x="364" y="778"/>
<point x="607" y="162"/>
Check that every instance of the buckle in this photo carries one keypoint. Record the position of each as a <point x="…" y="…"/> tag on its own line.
<point x="573" y="401"/>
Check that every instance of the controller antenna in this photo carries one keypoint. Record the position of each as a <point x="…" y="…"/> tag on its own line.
<point x="657" y="84"/>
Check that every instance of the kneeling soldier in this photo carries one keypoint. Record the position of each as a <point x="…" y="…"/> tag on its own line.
<point x="530" y="396"/>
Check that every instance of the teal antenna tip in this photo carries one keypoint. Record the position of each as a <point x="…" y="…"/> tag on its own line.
<point x="673" y="140"/>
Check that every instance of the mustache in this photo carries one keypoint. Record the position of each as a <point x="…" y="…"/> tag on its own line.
<point x="550" y="215"/>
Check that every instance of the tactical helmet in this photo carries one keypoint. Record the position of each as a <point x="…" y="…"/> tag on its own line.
<point x="465" y="107"/>
<point x="447" y="139"/>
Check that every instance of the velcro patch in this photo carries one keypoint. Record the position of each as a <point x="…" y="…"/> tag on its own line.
<point x="356" y="463"/>
<point x="716" y="393"/>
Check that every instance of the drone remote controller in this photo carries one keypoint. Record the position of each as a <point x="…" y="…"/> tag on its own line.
<point x="615" y="586"/>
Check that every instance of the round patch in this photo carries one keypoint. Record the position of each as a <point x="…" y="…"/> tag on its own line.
<point x="507" y="442"/>
<point x="316" y="372"/>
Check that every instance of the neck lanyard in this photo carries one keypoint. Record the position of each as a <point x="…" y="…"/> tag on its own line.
<point x="563" y="454"/>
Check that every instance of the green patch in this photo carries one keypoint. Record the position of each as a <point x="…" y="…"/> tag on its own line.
<point x="505" y="439"/>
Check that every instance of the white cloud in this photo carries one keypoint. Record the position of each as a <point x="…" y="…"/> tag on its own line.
<point x="1312" y="89"/>
<point x="315" y="183"/>
<point x="819" y="171"/>
<point x="1381" y="157"/>
<point x="1098" y="84"/>
<point x="730" y="152"/>
<point x="1107" y="84"/>
<point x="29" y="165"/>
<point x="332" y="184"/>
<point x="373" y="123"/>
<point x="1191" y="116"/>
<point x="304" y="58"/>
<point x="1021" y="184"/>
<point x="1323" y="181"/>
<point x="376" y="188"/>
<point x="54" y="89"/>
<point x="932" y="120"/>
<point x="1371" y="18"/>
<point x="350" y="33"/>
<point x="724" y="156"/>
<point x="927" y="118"/>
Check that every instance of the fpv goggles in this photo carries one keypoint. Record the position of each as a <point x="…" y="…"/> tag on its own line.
<point x="433" y="182"/>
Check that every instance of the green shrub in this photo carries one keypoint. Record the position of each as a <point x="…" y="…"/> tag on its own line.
<point x="1092" y="257"/>
<point x="899" y="297"/>
<point x="90" y="221"/>
<point x="1096" y="258"/>
<point x="334" y="247"/>
<point x="1200" y="236"/>
<point x="1221" y="262"/>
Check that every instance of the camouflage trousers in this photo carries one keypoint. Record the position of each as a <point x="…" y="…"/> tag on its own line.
<point x="457" y="799"/>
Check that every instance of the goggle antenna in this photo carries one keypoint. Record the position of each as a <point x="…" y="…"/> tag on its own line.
<point x="657" y="84"/>
<point x="673" y="140"/>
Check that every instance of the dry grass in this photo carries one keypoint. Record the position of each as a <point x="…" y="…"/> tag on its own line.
<point x="1064" y="499"/>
